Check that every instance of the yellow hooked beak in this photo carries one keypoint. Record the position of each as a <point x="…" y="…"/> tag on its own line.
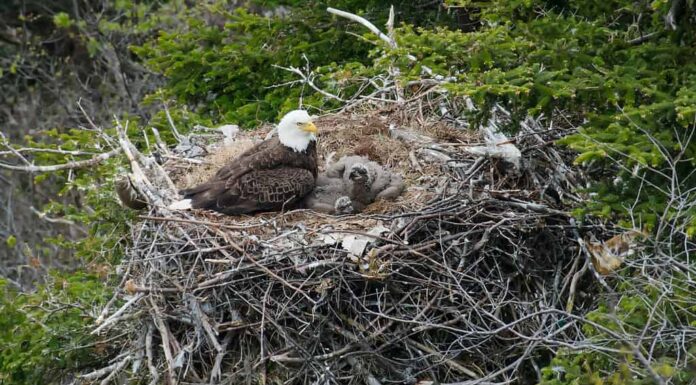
<point x="309" y="127"/>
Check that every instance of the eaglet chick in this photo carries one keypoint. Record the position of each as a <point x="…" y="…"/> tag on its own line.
<point x="330" y="195"/>
<point x="351" y="184"/>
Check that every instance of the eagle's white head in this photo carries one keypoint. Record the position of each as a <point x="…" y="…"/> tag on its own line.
<point x="296" y="130"/>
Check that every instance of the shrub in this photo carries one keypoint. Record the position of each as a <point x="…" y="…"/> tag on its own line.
<point x="42" y="333"/>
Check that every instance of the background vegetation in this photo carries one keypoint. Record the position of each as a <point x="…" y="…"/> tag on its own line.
<point x="624" y="72"/>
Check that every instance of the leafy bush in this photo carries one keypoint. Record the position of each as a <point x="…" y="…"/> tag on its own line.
<point x="225" y="62"/>
<point x="42" y="333"/>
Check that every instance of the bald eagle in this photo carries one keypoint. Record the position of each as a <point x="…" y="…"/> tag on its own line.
<point x="270" y="176"/>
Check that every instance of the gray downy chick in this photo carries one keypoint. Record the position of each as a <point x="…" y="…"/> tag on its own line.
<point x="330" y="195"/>
<point x="370" y="180"/>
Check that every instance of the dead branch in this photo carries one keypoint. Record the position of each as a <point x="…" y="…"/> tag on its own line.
<point x="65" y="166"/>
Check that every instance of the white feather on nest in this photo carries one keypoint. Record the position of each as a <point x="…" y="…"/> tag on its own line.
<point x="497" y="146"/>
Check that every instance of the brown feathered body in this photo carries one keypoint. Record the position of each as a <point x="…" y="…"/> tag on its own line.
<point x="268" y="177"/>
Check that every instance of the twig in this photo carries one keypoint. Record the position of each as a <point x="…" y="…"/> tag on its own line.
<point x="365" y="23"/>
<point x="307" y="80"/>
<point x="65" y="166"/>
<point x="120" y="311"/>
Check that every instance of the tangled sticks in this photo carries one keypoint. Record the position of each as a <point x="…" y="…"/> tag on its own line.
<point x="468" y="287"/>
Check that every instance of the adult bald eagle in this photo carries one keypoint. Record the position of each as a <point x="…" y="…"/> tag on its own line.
<point x="273" y="174"/>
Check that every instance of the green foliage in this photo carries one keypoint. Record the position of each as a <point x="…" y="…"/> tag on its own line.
<point x="42" y="333"/>
<point x="229" y="71"/>
<point x="62" y="20"/>
<point x="590" y="368"/>
<point x="633" y="97"/>
<point x="11" y="241"/>
<point x="225" y="63"/>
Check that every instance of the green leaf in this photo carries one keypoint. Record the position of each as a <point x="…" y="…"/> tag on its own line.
<point x="62" y="20"/>
<point x="11" y="241"/>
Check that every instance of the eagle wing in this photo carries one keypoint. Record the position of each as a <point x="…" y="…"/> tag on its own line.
<point x="265" y="155"/>
<point x="265" y="190"/>
<point x="263" y="178"/>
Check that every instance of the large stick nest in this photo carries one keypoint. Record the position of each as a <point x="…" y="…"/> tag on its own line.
<point x="466" y="277"/>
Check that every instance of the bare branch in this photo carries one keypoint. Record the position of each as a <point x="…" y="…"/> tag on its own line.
<point x="65" y="166"/>
<point x="365" y="23"/>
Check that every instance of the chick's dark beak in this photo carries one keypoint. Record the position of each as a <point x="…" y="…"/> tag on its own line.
<point x="358" y="172"/>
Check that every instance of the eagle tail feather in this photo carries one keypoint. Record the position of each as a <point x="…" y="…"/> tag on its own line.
<point x="184" y="204"/>
<point x="189" y="192"/>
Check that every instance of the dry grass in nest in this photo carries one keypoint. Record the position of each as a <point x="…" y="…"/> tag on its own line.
<point x="444" y="132"/>
<point x="213" y="162"/>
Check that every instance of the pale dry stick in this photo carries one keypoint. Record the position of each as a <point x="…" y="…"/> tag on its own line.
<point x="116" y="370"/>
<point x="158" y="174"/>
<point x="196" y="222"/>
<point x="64" y="166"/>
<point x="229" y="245"/>
<point x="46" y="150"/>
<point x="86" y="115"/>
<point x="262" y="332"/>
<point x="390" y="23"/>
<point x="216" y="371"/>
<point x="365" y="23"/>
<point x="160" y="143"/>
<point x="287" y="358"/>
<point x="113" y="142"/>
<point x="573" y="285"/>
<point x="120" y="311"/>
<point x="138" y="176"/>
<point x="45" y="217"/>
<point x="177" y="136"/>
<point x="139" y="351"/>
<point x="154" y="374"/>
<point x="306" y="80"/>
<point x="203" y="319"/>
<point x="164" y="334"/>
<point x="386" y="38"/>
<point x="316" y="264"/>
<point x="113" y="299"/>
<point x="187" y="160"/>
<point x="116" y="366"/>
